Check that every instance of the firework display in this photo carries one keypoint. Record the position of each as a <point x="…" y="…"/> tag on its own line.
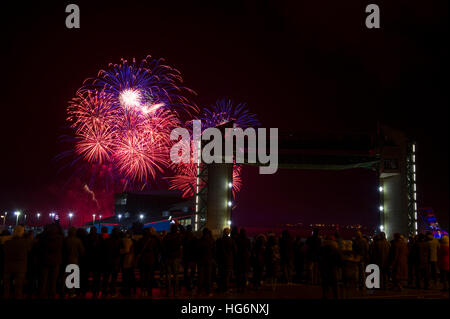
<point x="123" y="118"/>
<point x="221" y="112"/>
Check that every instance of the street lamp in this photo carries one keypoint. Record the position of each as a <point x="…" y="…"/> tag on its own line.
<point x="4" y="220"/>
<point x="70" y="218"/>
<point x="141" y="216"/>
<point x="93" y="219"/>
<point x="120" y="217"/>
<point x="17" y="220"/>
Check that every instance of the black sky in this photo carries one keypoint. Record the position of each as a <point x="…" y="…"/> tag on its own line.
<point x="300" y="65"/>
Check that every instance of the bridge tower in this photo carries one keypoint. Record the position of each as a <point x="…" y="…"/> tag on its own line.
<point x="397" y="173"/>
<point x="213" y="193"/>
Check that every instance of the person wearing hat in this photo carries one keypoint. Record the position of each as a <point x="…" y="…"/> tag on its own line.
<point x="16" y="253"/>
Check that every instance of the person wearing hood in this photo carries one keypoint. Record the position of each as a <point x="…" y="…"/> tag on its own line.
<point x="15" y="265"/>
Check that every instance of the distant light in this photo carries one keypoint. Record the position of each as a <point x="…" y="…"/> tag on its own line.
<point x="70" y="215"/>
<point x="229" y="223"/>
<point x="17" y="213"/>
<point x="230" y="184"/>
<point x="120" y="216"/>
<point x="381" y="227"/>
<point x="380" y="189"/>
<point x="380" y="208"/>
<point x="38" y="215"/>
<point x="230" y="203"/>
<point x="141" y="216"/>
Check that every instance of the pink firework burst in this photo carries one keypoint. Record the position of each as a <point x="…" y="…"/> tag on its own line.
<point x="123" y="117"/>
<point x="136" y="143"/>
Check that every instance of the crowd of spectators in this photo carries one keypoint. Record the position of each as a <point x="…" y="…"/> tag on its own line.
<point x="127" y="264"/>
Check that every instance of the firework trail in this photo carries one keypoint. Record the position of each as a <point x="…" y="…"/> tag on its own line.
<point x="88" y="190"/>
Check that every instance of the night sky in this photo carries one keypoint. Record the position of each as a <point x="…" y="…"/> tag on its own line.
<point x="303" y="66"/>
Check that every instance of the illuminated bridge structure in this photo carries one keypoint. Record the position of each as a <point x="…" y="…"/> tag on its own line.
<point x="387" y="151"/>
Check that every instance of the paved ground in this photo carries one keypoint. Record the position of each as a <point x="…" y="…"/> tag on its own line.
<point x="302" y="291"/>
